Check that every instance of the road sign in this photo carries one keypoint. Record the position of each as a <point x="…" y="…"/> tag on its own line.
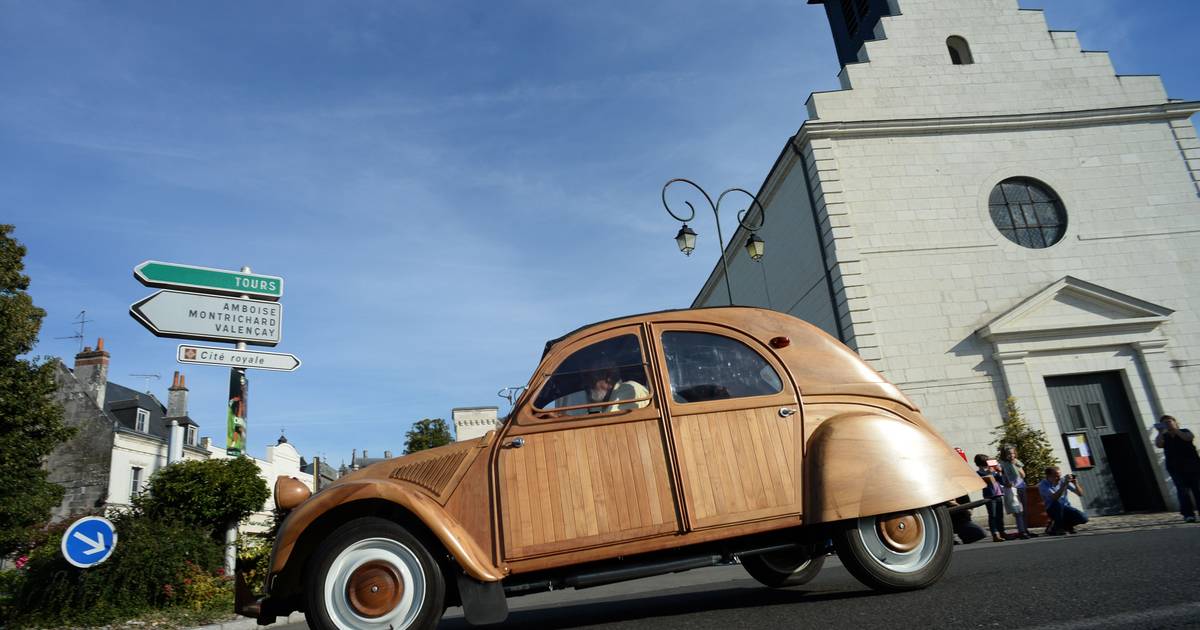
<point x="203" y="355"/>
<point x="89" y="541"/>
<point x="153" y="273"/>
<point x="210" y="318"/>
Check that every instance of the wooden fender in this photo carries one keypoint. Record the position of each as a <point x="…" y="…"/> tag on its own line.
<point x="863" y="464"/>
<point x="453" y="537"/>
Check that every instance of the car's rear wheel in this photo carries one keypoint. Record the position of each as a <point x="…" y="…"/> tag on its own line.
<point x="373" y="574"/>
<point x="785" y="568"/>
<point x="900" y="551"/>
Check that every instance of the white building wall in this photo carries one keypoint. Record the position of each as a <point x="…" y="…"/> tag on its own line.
<point x="143" y="451"/>
<point x="474" y="422"/>
<point x="281" y="460"/>
<point x="902" y="164"/>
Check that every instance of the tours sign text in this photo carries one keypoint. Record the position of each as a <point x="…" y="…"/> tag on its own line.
<point x="166" y="275"/>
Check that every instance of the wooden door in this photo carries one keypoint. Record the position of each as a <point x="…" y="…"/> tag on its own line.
<point x="585" y="475"/>
<point x="734" y="418"/>
<point x="1097" y="406"/>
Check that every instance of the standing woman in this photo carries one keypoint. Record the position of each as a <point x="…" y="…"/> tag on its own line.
<point x="1014" y="488"/>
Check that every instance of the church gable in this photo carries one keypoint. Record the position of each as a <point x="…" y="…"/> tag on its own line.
<point x="956" y="58"/>
<point x="1072" y="305"/>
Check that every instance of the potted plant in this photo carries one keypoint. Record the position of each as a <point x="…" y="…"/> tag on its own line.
<point x="1033" y="448"/>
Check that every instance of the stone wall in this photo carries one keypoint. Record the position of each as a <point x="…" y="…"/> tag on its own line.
<point x="81" y="465"/>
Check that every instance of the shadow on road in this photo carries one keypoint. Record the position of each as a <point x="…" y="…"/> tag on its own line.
<point x="664" y="605"/>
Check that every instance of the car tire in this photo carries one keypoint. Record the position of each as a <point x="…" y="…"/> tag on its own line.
<point x="901" y="551"/>
<point x="785" y="568"/>
<point x="372" y="573"/>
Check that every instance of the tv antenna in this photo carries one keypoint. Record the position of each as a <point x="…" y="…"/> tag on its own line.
<point x="80" y="320"/>
<point x="147" y="378"/>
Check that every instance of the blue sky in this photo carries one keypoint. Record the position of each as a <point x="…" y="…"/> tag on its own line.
<point x="443" y="185"/>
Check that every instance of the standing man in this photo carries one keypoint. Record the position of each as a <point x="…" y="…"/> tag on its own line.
<point x="1054" y="493"/>
<point x="1183" y="463"/>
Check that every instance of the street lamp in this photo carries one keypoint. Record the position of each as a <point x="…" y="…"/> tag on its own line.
<point x="686" y="238"/>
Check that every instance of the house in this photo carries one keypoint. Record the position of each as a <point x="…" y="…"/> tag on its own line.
<point x="124" y="436"/>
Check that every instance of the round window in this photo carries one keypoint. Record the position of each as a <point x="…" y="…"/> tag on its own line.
<point x="1027" y="212"/>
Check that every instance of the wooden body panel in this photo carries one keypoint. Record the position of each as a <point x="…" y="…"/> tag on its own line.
<point x="737" y="466"/>
<point x="584" y="487"/>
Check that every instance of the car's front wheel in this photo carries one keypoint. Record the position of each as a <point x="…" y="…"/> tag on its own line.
<point x="785" y="568"/>
<point x="901" y="551"/>
<point x="372" y="573"/>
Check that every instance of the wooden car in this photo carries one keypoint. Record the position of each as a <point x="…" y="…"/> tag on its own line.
<point x="643" y="445"/>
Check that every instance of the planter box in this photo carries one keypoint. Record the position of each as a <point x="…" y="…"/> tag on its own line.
<point x="1035" y="510"/>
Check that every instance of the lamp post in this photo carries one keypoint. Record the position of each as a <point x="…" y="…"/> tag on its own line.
<point x="686" y="238"/>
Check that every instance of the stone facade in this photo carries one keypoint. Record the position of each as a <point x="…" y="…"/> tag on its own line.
<point x="879" y="231"/>
<point x="82" y="464"/>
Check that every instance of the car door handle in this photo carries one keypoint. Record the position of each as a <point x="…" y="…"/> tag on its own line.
<point x="516" y="443"/>
<point x="786" y="411"/>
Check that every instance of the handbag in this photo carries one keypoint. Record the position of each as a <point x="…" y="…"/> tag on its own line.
<point x="1012" y="502"/>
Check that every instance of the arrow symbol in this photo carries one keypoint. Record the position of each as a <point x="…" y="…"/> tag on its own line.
<point x="96" y="545"/>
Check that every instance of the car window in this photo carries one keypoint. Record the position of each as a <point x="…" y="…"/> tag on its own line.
<point x="600" y="375"/>
<point x="704" y="366"/>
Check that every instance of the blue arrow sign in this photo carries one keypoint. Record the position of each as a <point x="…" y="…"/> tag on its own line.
<point x="89" y="541"/>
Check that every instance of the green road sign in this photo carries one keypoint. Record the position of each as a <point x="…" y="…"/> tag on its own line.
<point x="153" y="273"/>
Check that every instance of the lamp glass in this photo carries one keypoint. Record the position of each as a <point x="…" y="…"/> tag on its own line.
<point x="755" y="247"/>
<point x="686" y="240"/>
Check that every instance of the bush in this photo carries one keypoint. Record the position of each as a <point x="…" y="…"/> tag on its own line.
<point x="210" y="493"/>
<point x="155" y="564"/>
<point x="1032" y="446"/>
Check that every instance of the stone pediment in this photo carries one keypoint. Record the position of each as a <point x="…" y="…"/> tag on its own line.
<point x="1073" y="307"/>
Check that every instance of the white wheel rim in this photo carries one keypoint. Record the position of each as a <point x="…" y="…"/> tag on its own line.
<point x="888" y="556"/>
<point x="398" y="560"/>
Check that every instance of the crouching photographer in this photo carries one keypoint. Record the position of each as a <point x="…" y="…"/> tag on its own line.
<point x="1054" y="490"/>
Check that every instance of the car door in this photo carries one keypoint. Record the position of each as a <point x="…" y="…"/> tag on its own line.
<point x="574" y="471"/>
<point x="734" y="421"/>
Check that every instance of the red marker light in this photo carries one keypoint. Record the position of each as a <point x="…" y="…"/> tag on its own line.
<point x="780" y="342"/>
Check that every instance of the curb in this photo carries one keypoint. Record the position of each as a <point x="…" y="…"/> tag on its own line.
<point x="248" y="623"/>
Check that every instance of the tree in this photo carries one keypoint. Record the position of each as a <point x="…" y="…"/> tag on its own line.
<point x="211" y="493"/>
<point x="426" y="433"/>
<point x="1032" y="446"/>
<point x="31" y="423"/>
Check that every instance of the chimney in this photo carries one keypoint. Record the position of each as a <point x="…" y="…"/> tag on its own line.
<point x="354" y="459"/>
<point x="91" y="370"/>
<point x="364" y="454"/>
<point x="387" y="454"/>
<point x="177" y="397"/>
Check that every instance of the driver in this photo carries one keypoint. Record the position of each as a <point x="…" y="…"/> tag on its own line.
<point x="602" y="383"/>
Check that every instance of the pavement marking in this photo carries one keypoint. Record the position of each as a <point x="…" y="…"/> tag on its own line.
<point x="1181" y="612"/>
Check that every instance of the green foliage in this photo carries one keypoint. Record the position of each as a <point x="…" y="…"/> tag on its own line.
<point x="156" y="564"/>
<point x="32" y="423"/>
<point x="1032" y="446"/>
<point x="426" y="433"/>
<point x="210" y="494"/>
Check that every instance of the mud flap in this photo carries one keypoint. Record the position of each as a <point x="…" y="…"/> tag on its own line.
<point x="483" y="602"/>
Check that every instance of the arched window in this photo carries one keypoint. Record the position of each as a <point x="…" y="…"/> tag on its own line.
<point x="1027" y="212"/>
<point x="960" y="51"/>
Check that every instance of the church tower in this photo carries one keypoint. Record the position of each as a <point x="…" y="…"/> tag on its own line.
<point x="985" y="210"/>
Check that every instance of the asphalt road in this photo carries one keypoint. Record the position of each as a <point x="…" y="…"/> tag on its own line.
<point x="1138" y="579"/>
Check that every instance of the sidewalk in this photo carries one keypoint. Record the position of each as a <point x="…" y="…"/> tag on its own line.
<point x="1103" y="524"/>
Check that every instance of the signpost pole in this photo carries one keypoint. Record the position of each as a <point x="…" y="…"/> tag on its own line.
<point x="239" y="390"/>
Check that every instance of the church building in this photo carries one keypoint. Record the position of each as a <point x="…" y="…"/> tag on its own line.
<point x="984" y="210"/>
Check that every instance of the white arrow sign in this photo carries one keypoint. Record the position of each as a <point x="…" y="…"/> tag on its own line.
<point x="203" y="355"/>
<point x="210" y="317"/>
<point x="94" y="546"/>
